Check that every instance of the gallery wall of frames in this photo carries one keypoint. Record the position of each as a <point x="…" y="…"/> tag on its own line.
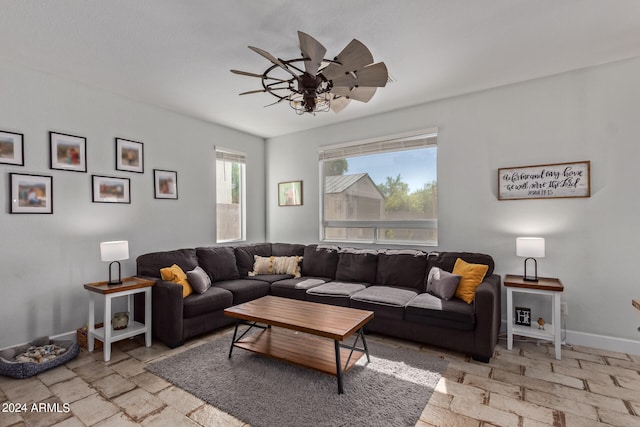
<point x="32" y="192"/>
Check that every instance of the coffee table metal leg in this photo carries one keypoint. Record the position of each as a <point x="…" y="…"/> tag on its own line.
<point x="338" y="367"/>
<point x="364" y="344"/>
<point x="233" y="340"/>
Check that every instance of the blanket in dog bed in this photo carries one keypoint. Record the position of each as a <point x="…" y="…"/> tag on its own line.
<point x="39" y="355"/>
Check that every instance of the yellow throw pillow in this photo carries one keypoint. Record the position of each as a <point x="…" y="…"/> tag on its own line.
<point x="176" y="275"/>
<point x="276" y="265"/>
<point x="471" y="277"/>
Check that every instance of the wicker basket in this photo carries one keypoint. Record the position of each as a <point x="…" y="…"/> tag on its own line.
<point x="81" y="337"/>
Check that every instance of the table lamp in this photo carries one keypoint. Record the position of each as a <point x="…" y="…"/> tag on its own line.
<point x="530" y="248"/>
<point x="114" y="252"/>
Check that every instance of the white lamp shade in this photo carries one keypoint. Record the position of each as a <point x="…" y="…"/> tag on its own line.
<point x="114" y="251"/>
<point x="530" y="247"/>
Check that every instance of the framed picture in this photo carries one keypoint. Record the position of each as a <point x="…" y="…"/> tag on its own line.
<point x="165" y="184"/>
<point x="129" y="155"/>
<point x="31" y="194"/>
<point x="290" y="193"/>
<point x="109" y="189"/>
<point x="11" y="148"/>
<point x="523" y="316"/>
<point x="68" y="152"/>
<point x="551" y="181"/>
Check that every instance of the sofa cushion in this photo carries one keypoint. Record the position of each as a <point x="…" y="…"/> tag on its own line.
<point x="320" y="261"/>
<point x="442" y="283"/>
<point x="357" y="265"/>
<point x="244" y="290"/>
<point x="431" y="310"/>
<point x="199" y="280"/>
<point x="151" y="263"/>
<point x="287" y="249"/>
<point x="295" y="288"/>
<point x="402" y="268"/>
<point x="219" y="262"/>
<point x="176" y="275"/>
<point x="245" y="256"/>
<point x="213" y="299"/>
<point x="385" y="301"/>
<point x="471" y="275"/>
<point x="338" y="289"/>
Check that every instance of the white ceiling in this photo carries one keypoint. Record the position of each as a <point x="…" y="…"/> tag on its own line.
<point x="177" y="54"/>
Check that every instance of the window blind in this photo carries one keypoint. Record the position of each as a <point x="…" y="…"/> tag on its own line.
<point x="228" y="155"/>
<point x="363" y="148"/>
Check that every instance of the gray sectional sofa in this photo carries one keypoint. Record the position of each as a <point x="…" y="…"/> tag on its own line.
<point x="391" y="283"/>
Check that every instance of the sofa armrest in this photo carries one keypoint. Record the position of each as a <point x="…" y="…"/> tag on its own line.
<point x="167" y="312"/>
<point x="488" y="309"/>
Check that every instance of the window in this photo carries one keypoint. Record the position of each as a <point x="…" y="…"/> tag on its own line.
<point x="382" y="191"/>
<point x="230" y="195"/>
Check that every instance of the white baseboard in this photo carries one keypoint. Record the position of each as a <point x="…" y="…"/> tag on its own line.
<point x="603" y="342"/>
<point x="71" y="335"/>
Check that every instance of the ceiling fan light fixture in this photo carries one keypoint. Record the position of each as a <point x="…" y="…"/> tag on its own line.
<point x="320" y="84"/>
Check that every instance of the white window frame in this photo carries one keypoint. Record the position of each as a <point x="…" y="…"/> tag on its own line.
<point x="227" y="154"/>
<point x="399" y="142"/>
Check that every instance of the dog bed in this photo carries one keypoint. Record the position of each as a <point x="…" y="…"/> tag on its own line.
<point x="26" y="360"/>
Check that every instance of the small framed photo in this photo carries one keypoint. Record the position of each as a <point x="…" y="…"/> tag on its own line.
<point x="523" y="316"/>
<point x="31" y="194"/>
<point x="68" y="152"/>
<point x="129" y="155"/>
<point x="165" y="184"/>
<point x="109" y="189"/>
<point x="11" y="148"/>
<point x="290" y="193"/>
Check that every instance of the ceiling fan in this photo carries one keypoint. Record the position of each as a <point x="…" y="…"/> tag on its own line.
<point x="314" y="84"/>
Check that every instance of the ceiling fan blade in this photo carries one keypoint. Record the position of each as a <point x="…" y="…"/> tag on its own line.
<point x="284" y="98"/>
<point x="313" y="50"/>
<point x="273" y="59"/>
<point x="254" y="91"/>
<point x="375" y="75"/>
<point x="339" y="104"/>
<point x="362" y="94"/>
<point x="354" y="56"/>
<point x="246" y="73"/>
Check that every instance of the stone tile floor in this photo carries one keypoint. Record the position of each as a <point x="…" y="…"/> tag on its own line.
<point x="523" y="387"/>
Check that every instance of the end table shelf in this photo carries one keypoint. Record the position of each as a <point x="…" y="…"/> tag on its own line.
<point x="129" y="287"/>
<point x="544" y="286"/>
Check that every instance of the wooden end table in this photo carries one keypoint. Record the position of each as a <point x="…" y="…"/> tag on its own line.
<point x="106" y="334"/>
<point x="544" y="286"/>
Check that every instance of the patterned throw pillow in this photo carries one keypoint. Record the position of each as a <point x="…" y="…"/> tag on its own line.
<point x="276" y="265"/>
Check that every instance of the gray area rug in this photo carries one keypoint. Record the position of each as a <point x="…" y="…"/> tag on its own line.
<point x="391" y="390"/>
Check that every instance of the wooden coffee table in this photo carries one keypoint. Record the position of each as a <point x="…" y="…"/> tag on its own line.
<point x="310" y="349"/>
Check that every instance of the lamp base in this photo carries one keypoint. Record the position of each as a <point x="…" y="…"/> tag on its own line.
<point x="529" y="279"/>
<point x="119" y="282"/>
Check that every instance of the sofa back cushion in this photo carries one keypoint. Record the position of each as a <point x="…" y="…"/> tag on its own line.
<point x="446" y="260"/>
<point x="287" y="249"/>
<point x="357" y="265"/>
<point x="320" y="261"/>
<point x="405" y="268"/>
<point x="245" y="256"/>
<point x="151" y="263"/>
<point x="219" y="262"/>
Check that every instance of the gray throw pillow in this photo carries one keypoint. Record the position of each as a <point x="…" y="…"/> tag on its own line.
<point x="442" y="283"/>
<point x="199" y="280"/>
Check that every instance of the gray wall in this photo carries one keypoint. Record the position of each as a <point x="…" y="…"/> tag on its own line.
<point x="592" y="243"/>
<point x="45" y="259"/>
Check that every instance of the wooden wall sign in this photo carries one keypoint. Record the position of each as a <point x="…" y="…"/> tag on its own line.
<point x="558" y="180"/>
